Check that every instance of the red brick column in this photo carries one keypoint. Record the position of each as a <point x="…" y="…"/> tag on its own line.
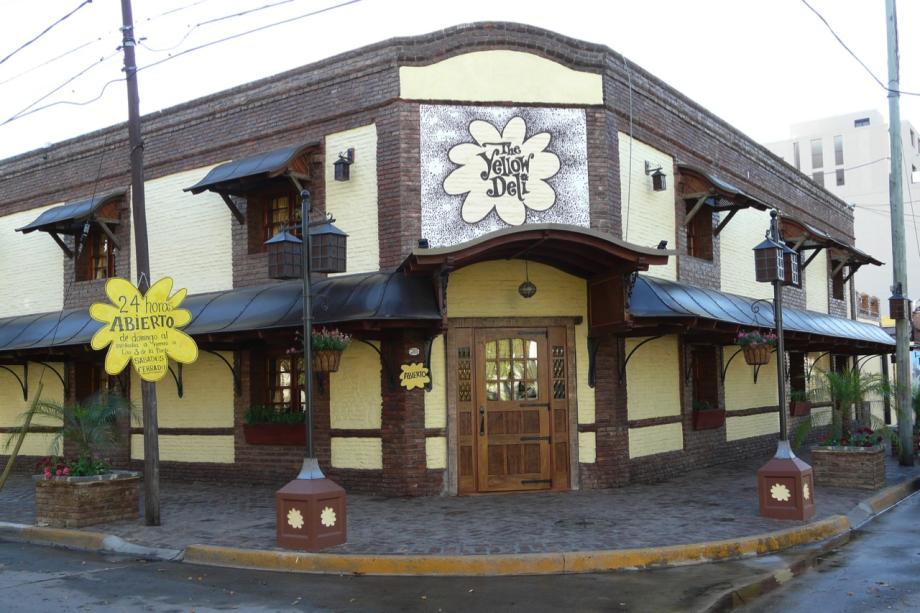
<point x="611" y="467"/>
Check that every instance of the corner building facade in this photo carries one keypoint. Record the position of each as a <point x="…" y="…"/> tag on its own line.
<point x="484" y="161"/>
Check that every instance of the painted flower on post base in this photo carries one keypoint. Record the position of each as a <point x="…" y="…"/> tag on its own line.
<point x="507" y="172"/>
<point x="143" y="328"/>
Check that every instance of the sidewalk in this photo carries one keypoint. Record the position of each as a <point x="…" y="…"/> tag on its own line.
<point x="712" y="504"/>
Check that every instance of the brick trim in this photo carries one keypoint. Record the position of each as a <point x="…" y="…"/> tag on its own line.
<point x="354" y="432"/>
<point x="655" y="421"/>
<point x="189" y="431"/>
<point x="751" y="411"/>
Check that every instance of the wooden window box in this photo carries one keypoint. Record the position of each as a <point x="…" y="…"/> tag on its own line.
<point x="708" y="420"/>
<point x="799" y="408"/>
<point x="275" y="434"/>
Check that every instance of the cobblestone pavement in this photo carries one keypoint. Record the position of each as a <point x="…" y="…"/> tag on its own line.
<point x="714" y="503"/>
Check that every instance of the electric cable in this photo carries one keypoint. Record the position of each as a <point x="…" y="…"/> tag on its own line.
<point x="45" y="31"/>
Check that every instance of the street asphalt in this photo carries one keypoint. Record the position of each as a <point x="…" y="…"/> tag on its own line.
<point x="879" y="570"/>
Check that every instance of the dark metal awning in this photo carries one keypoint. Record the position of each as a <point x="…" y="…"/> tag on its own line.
<point x="579" y="251"/>
<point x="703" y="188"/>
<point x="359" y="301"/>
<point x="262" y="165"/>
<point x="69" y="218"/>
<point x="805" y="237"/>
<point x="659" y="301"/>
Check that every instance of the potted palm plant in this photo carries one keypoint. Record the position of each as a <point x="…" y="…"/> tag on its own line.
<point x="756" y="346"/>
<point x="852" y="454"/>
<point x="83" y="489"/>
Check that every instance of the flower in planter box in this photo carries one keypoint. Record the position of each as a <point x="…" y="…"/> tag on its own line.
<point x="755" y="339"/>
<point x="323" y="340"/>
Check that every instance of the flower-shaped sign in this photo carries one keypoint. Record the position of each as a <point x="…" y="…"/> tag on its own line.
<point x="507" y="172"/>
<point x="143" y="329"/>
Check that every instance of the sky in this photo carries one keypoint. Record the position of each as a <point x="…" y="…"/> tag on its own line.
<point x="760" y="65"/>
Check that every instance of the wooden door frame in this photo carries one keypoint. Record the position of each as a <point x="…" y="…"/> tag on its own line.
<point x="451" y="364"/>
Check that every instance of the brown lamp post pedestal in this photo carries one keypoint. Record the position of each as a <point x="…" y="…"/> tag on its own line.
<point x="310" y="513"/>
<point x="785" y="484"/>
<point x="785" y="487"/>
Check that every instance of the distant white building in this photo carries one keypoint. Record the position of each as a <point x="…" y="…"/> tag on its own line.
<point x="849" y="155"/>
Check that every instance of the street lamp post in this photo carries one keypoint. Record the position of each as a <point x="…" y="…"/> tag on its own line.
<point x="311" y="509"/>
<point x="785" y="484"/>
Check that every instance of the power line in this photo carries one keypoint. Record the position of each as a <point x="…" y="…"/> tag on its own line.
<point x="855" y="57"/>
<point x="45" y="31"/>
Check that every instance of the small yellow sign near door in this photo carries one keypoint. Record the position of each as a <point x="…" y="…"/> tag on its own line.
<point x="413" y="376"/>
<point x="143" y="329"/>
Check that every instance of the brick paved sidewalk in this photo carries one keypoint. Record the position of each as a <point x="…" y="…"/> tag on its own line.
<point x="708" y="504"/>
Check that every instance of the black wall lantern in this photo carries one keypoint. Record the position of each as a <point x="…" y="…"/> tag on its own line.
<point x="327" y="248"/>
<point x="285" y="256"/>
<point x="343" y="165"/>
<point x="659" y="179"/>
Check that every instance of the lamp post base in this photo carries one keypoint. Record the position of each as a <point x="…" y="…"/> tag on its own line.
<point x="310" y="511"/>
<point x="785" y="486"/>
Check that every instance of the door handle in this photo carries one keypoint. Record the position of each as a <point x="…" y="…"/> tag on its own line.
<point x="482" y="421"/>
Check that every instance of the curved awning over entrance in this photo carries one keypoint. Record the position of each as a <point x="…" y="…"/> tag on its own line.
<point x="578" y="251"/>
<point x="366" y="301"/>
<point x="715" y="315"/>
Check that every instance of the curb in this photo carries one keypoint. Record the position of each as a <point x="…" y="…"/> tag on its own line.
<point x="83" y="540"/>
<point x="517" y="564"/>
<point x="885" y="499"/>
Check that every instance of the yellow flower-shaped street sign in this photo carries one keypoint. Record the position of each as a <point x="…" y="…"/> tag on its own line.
<point x="414" y="375"/>
<point x="143" y="329"/>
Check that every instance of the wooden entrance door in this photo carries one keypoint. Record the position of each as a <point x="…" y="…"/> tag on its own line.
<point x="513" y="410"/>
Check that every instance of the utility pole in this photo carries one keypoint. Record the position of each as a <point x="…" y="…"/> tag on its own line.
<point x="899" y="255"/>
<point x="148" y="389"/>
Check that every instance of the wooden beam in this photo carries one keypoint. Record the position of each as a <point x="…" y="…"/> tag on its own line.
<point x="798" y="243"/>
<point x="839" y="268"/>
<point x="230" y="204"/>
<point x="695" y="209"/>
<point x="811" y="257"/>
<point x="724" y="222"/>
<point x="61" y="244"/>
<point x="851" y="272"/>
<point x="109" y="233"/>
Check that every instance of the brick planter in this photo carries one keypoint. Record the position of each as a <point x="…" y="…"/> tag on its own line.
<point x="859" y="467"/>
<point x="74" y="502"/>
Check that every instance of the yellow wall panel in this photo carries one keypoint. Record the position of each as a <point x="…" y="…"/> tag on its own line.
<point x="436" y="452"/>
<point x="177" y="221"/>
<point x="816" y="280"/>
<point x="489" y="289"/>
<point x="500" y="76"/>
<point x="355" y="399"/>
<point x="12" y="406"/>
<point x="38" y="287"/>
<point x="648" y="216"/>
<point x="35" y="444"/>
<point x="751" y="425"/>
<point x="436" y="399"/>
<point x="207" y="401"/>
<point x="653" y="378"/>
<point x="587" y="447"/>
<point x="353" y="203"/>
<point x="737" y="241"/>
<point x="655" y="439"/>
<point x="363" y="452"/>
<point x="740" y="390"/>
<point x="188" y="448"/>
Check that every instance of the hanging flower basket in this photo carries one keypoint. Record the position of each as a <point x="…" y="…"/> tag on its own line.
<point x="756" y="346"/>
<point x="326" y="360"/>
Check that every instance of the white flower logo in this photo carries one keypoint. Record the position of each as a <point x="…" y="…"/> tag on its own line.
<point x="780" y="492"/>
<point x="806" y="491"/>
<point x="327" y="517"/>
<point x="295" y="519"/>
<point x="506" y="172"/>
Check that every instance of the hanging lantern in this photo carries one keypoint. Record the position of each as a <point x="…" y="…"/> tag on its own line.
<point x="327" y="247"/>
<point x="769" y="261"/>
<point x="285" y="253"/>
<point x="898" y="307"/>
<point x="793" y="276"/>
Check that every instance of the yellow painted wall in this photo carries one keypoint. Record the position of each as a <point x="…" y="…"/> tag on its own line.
<point x="12" y="406"/>
<point x="36" y="444"/>
<point x="489" y="289"/>
<point x="353" y="203"/>
<point x="737" y="241"/>
<point x="436" y="399"/>
<point x="355" y="399"/>
<point x="653" y="378"/>
<point x="363" y="452"/>
<point x="648" y="216"/>
<point x="198" y="448"/>
<point x="655" y="439"/>
<point x="436" y="452"/>
<point x="499" y="76"/>
<point x="751" y="425"/>
<point x="587" y="447"/>
<point x="38" y="287"/>
<point x="740" y="390"/>
<point x="207" y="401"/>
<point x="816" y="280"/>
<point x="189" y="236"/>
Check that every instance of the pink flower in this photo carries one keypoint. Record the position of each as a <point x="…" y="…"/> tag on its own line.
<point x="59" y="472"/>
<point x="47" y="476"/>
<point x="66" y="471"/>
